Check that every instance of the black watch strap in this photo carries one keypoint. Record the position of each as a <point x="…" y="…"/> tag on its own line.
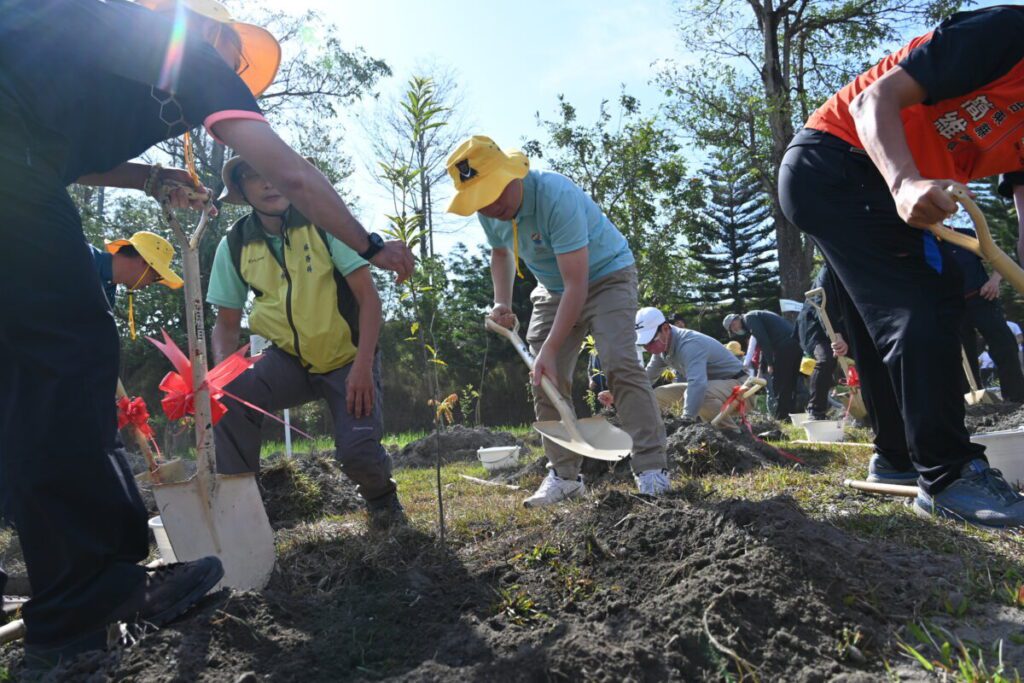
<point x="376" y="244"/>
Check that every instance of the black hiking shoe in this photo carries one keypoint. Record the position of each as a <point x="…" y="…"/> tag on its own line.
<point x="166" y="593"/>
<point x="386" y="513"/>
<point x="41" y="659"/>
<point x="170" y="591"/>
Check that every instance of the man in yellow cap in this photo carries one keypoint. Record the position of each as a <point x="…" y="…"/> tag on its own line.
<point x="143" y="259"/>
<point x="317" y="303"/>
<point x="587" y="284"/>
<point x="86" y="86"/>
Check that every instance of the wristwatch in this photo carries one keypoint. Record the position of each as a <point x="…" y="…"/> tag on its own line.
<point x="376" y="244"/>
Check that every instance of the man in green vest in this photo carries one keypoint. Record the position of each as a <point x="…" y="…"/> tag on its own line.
<point x="316" y="302"/>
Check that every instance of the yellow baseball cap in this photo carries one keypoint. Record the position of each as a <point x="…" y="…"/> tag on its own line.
<point x="260" y="53"/>
<point x="735" y="348"/>
<point x="481" y="171"/>
<point x="155" y="251"/>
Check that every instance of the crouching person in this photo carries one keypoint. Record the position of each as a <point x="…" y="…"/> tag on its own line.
<point x="587" y="283"/>
<point x="316" y="302"/>
<point x="710" y="369"/>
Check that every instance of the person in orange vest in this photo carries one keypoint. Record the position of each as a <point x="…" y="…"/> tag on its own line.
<point x="869" y="171"/>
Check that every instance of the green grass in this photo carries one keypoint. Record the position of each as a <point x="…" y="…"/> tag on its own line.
<point x="325" y="444"/>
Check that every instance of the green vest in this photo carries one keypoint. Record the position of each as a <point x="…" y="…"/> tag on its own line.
<point x="303" y="304"/>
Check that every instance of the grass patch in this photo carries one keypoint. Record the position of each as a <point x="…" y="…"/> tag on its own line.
<point x="391" y="441"/>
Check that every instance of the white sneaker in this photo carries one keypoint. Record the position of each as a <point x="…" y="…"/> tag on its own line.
<point x="653" y="482"/>
<point x="554" y="489"/>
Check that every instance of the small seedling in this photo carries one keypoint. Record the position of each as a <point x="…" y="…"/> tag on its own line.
<point x="517" y="606"/>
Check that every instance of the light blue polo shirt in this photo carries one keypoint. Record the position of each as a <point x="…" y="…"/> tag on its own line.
<point x="558" y="217"/>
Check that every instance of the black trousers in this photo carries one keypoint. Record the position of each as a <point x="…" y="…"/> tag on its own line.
<point x="987" y="318"/>
<point x="785" y="374"/>
<point x="903" y="312"/>
<point x="65" y="486"/>
<point x="823" y="378"/>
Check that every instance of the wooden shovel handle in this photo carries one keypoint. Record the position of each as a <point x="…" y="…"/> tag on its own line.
<point x="565" y="411"/>
<point x="983" y="246"/>
<point x="887" y="489"/>
<point x="750" y="387"/>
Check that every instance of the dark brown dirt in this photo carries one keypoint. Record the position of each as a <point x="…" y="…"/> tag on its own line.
<point x="306" y="488"/>
<point x="994" y="417"/>
<point x="612" y="590"/>
<point x="456" y="444"/>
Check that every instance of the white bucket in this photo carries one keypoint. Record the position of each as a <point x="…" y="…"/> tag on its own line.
<point x="1005" y="452"/>
<point x="798" y="419"/>
<point x="498" y="457"/>
<point x="824" y="430"/>
<point x="163" y="543"/>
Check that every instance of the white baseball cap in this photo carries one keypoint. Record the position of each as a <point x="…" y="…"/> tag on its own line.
<point x="648" y="320"/>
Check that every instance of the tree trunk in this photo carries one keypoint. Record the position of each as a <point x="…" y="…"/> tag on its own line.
<point x="794" y="263"/>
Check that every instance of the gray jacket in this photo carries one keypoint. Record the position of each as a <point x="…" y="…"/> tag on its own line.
<point x="698" y="358"/>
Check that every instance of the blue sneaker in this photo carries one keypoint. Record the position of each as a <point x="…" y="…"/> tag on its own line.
<point x="881" y="471"/>
<point x="980" y="496"/>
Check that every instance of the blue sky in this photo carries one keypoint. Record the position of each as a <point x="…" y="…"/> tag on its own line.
<point x="512" y="60"/>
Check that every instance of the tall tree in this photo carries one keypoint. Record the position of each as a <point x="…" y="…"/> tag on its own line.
<point x="774" y="62"/>
<point x="633" y="167"/>
<point x="734" y="245"/>
<point x="418" y="131"/>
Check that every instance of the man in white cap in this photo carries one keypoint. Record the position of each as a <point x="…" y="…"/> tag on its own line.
<point x="587" y="283"/>
<point x="711" y="370"/>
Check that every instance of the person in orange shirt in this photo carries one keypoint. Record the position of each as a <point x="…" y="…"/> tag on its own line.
<point x="866" y="174"/>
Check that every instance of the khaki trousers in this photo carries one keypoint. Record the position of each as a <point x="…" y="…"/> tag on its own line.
<point x="609" y="314"/>
<point x="671" y="398"/>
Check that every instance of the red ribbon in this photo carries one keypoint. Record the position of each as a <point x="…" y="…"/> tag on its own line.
<point x="133" y="411"/>
<point x="741" y="408"/>
<point x="179" y="399"/>
<point x="853" y="382"/>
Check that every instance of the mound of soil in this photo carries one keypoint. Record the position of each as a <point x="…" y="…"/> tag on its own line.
<point x="994" y="417"/>
<point x="620" y="589"/>
<point x="306" y="488"/>
<point x="456" y="444"/>
<point x="701" y="449"/>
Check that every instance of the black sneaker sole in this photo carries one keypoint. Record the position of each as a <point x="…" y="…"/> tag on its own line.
<point x="214" y="573"/>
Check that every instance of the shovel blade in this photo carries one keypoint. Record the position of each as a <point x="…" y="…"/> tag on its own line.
<point x="170" y="471"/>
<point x="974" y="398"/>
<point x="601" y="439"/>
<point x="246" y="541"/>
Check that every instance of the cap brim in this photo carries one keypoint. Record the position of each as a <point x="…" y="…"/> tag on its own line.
<point x="170" y="279"/>
<point x="115" y="246"/>
<point x="261" y="54"/>
<point x="644" y="336"/>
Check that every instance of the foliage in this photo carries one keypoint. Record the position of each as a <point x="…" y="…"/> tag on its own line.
<point x="734" y="243"/>
<point x="775" y="62"/>
<point x="633" y="167"/>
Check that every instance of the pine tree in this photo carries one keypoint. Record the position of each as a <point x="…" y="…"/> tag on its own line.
<point x="734" y="245"/>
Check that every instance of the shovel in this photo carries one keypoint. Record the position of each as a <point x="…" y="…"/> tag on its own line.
<point x="209" y="513"/>
<point x="591" y="437"/>
<point x="749" y="388"/>
<point x="975" y="396"/>
<point x="982" y="245"/>
<point x="857" y="407"/>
